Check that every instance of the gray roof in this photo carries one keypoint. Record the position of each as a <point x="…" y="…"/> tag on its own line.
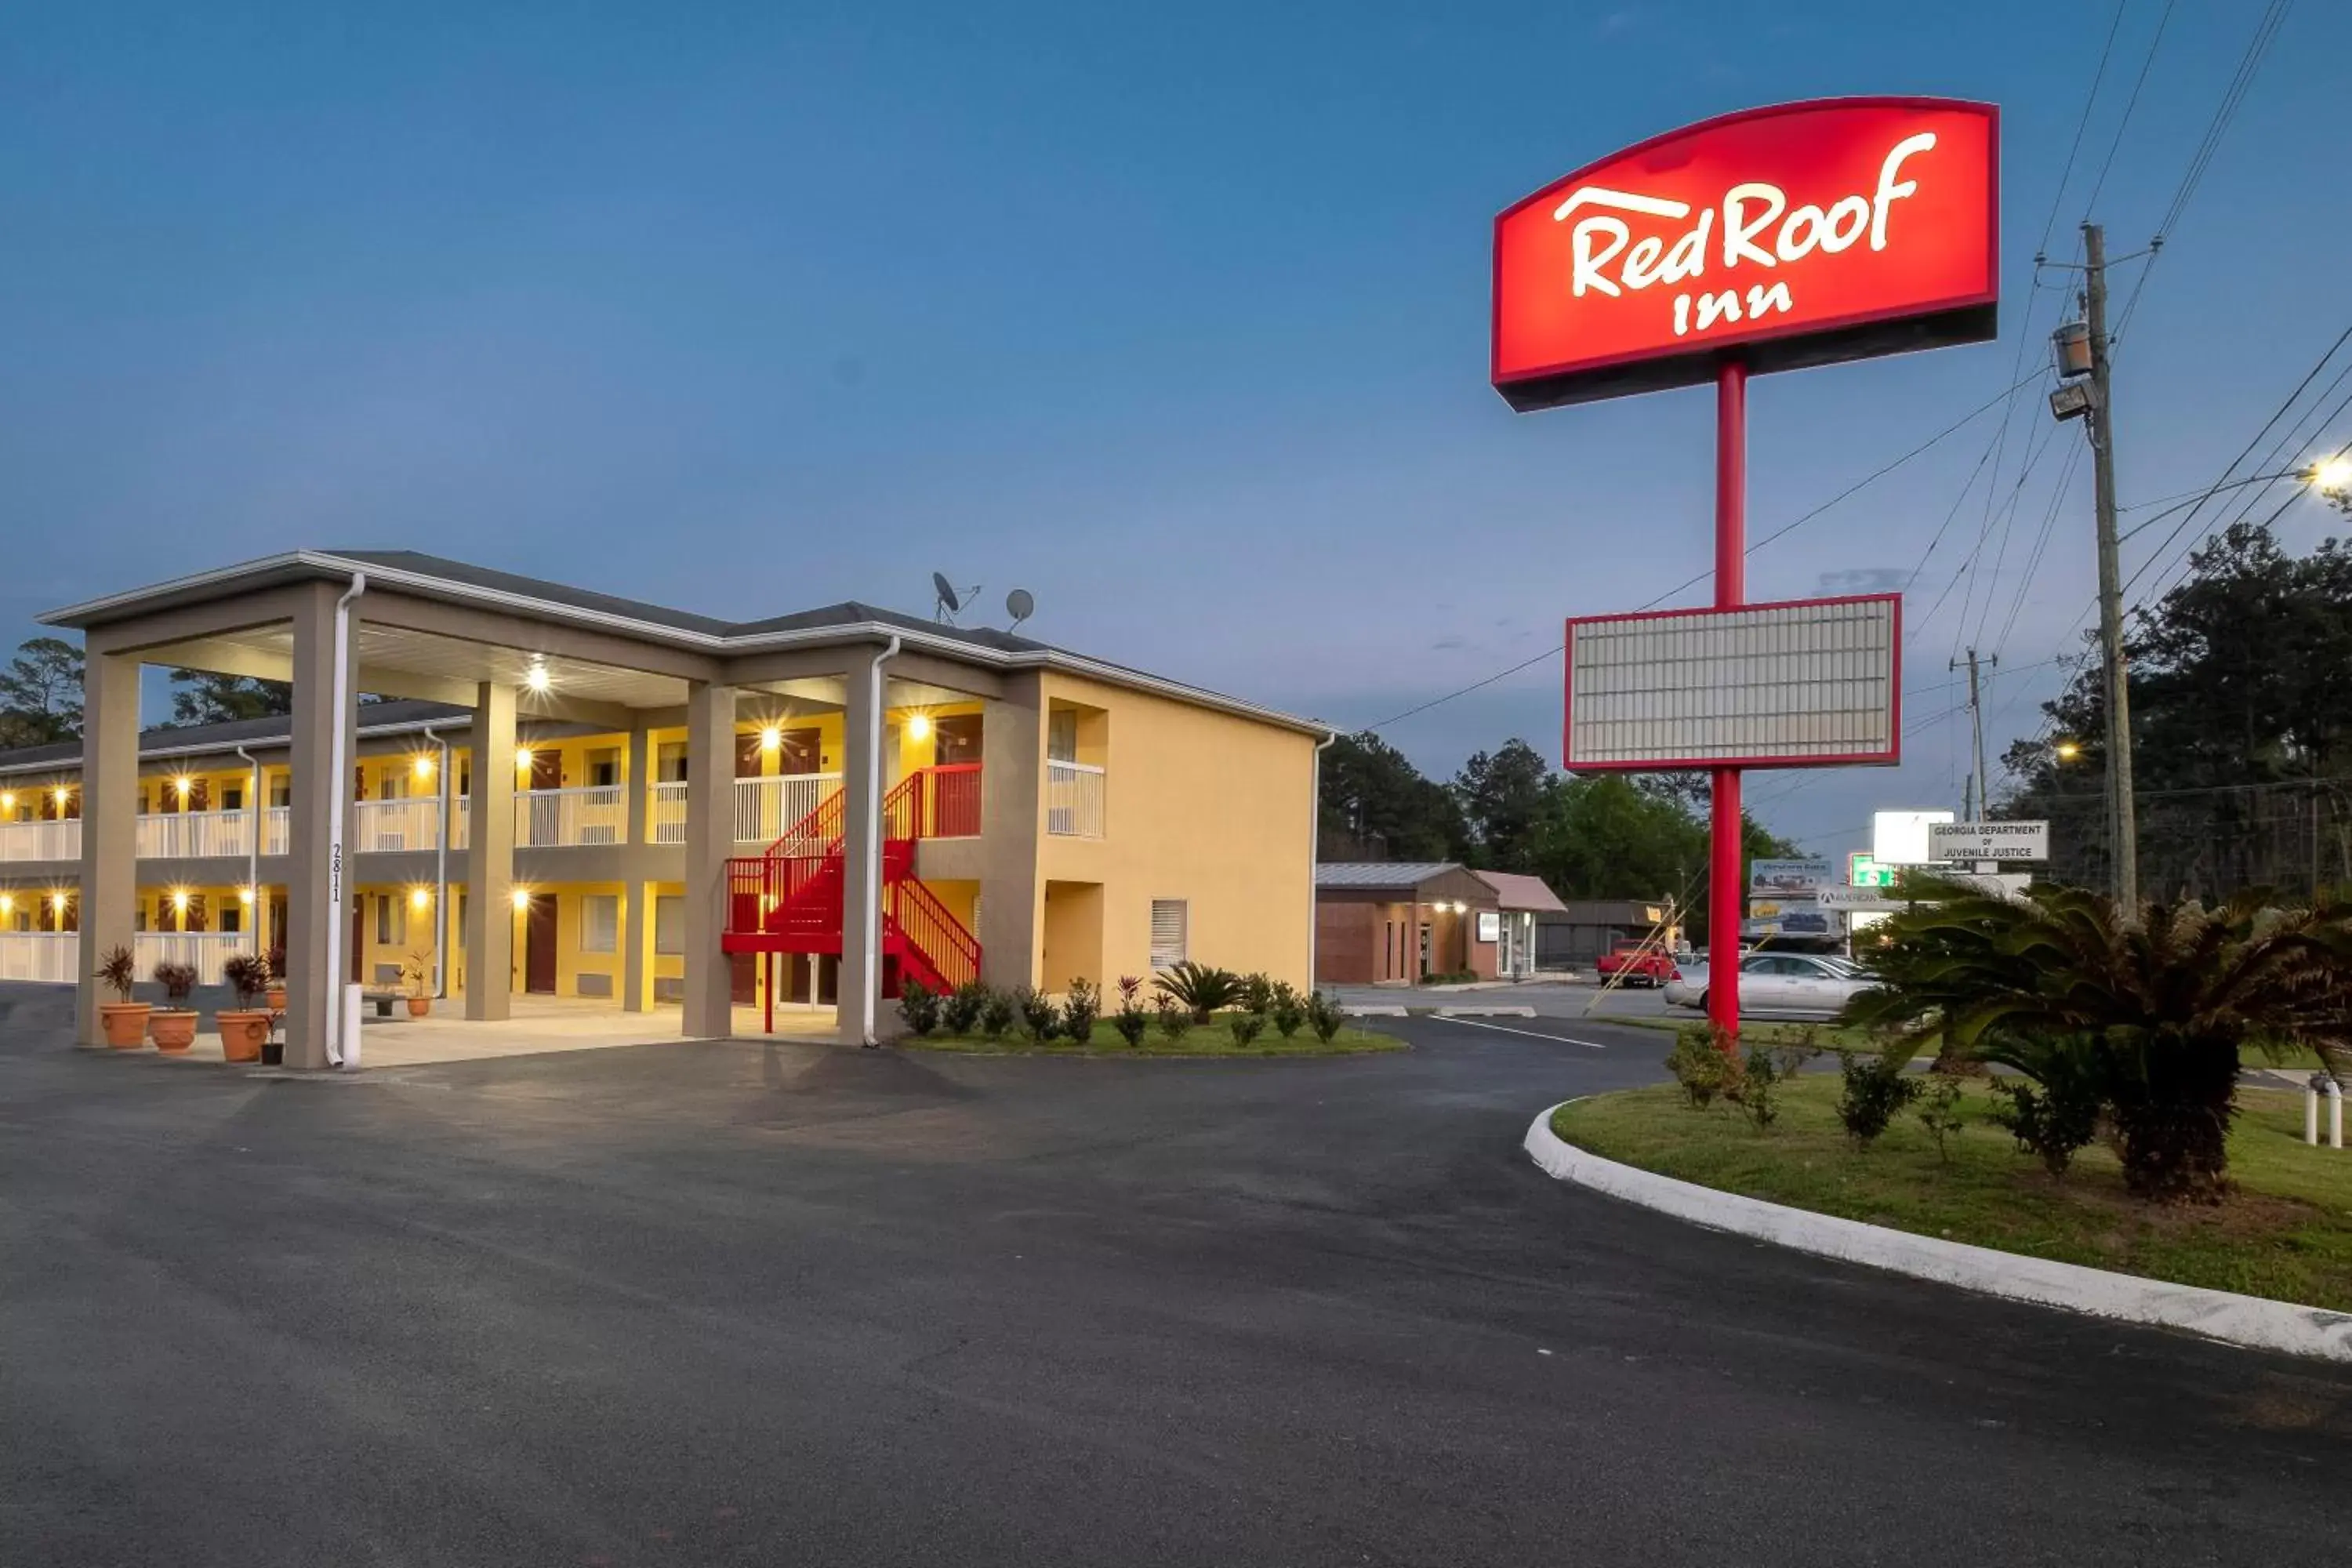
<point x="273" y="729"/>
<point x="1373" y="875"/>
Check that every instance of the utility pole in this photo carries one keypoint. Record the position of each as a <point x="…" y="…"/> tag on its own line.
<point x="2121" y="814"/>
<point x="1975" y="801"/>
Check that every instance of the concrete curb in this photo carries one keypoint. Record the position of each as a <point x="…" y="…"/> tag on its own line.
<point x="2250" y="1320"/>
<point x="1522" y="1011"/>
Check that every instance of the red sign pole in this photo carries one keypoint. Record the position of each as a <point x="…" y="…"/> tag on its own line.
<point x="1728" y="878"/>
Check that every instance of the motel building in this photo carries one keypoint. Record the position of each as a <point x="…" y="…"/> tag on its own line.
<point x="558" y="803"/>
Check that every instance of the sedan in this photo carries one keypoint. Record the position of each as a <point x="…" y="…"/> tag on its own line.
<point x="1778" y="985"/>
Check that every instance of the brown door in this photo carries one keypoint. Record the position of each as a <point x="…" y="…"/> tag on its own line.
<point x="802" y="752"/>
<point x="743" y="978"/>
<point x="956" y="739"/>
<point x="546" y="770"/>
<point x="747" y="752"/>
<point x="539" y="945"/>
<point x="358" y="932"/>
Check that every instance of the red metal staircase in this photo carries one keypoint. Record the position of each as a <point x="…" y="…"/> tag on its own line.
<point x="790" y="899"/>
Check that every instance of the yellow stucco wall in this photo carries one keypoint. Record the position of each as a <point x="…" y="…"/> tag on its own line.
<point x="1199" y="805"/>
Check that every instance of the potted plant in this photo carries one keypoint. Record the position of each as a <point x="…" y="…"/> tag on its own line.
<point x="173" y="1029"/>
<point x="418" y="973"/>
<point x="277" y="993"/>
<point x="243" y="1028"/>
<point x="125" y="1019"/>
<point x="273" y="1045"/>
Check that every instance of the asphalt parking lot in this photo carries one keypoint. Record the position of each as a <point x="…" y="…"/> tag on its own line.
<point x="789" y="1303"/>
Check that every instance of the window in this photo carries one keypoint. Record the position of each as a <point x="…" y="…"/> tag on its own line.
<point x="232" y="916"/>
<point x="604" y="768"/>
<point x="1062" y="735"/>
<point x="391" y="920"/>
<point x="669" y="923"/>
<point x="1170" y="920"/>
<point x="281" y="790"/>
<point x="669" y="762"/>
<point x="233" y="797"/>
<point x="599" y="923"/>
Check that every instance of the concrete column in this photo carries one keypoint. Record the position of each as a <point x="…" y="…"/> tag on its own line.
<point x="489" y="856"/>
<point x="1013" y="753"/>
<point x="109" y="826"/>
<point x="636" y="897"/>
<point x="865" y="764"/>
<point x="317" y="891"/>
<point x="709" y="841"/>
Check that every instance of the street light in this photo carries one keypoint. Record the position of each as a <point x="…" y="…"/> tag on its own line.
<point x="2332" y="474"/>
<point x="2067" y="751"/>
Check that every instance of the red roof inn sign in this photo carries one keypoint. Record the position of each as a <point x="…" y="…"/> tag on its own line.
<point x="1805" y="233"/>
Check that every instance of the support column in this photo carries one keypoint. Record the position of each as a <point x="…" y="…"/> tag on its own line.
<point x="1013" y="731"/>
<point x="317" y="889"/>
<point x="109" y="826"/>
<point x="709" y="841"/>
<point x="489" y="856"/>
<point x="863" y="778"/>
<point x="636" y="897"/>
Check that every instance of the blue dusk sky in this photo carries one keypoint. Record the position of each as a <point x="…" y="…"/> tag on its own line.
<point x="1175" y="316"/>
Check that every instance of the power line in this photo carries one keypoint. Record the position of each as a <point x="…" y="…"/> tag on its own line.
<point x="2129" y="104"/>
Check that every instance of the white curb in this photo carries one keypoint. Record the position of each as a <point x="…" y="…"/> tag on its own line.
<point x="1519" y="1012"/>
<point x="1376" y="1011"/>
<point x="2217" y="1314"/>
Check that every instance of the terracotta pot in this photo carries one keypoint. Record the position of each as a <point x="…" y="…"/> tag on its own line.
<point x="242" y="1034"/>
<point x="126" y="1024"/>
<point x="275" y="997"/>
<point x="172" y="1029"/>
<point x="419" y="1005"/>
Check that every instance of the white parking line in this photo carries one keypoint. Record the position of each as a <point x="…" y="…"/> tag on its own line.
<point x="1531" y="1034"/>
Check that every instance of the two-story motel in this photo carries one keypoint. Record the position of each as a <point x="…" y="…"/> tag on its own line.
<point x="557" y="792"/>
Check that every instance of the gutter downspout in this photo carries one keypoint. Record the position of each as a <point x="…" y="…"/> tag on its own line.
<point x="869" y="853"/>
<point x="339" y="785"/>
<point x="253" y="851"/>
<point x="441" y="877"/>
<point x="1314" y="861"/>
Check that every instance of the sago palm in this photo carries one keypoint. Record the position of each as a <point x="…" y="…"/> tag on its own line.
<point x="2155" y="1013"/>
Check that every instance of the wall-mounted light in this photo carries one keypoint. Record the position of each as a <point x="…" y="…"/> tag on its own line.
<point x="522" y="756"/>
<point x="7" y="904"/>
<point x="918" y="726"/>
<point x="63" y="793"/>
<point x="423" y="767"/>
<point x="771" y="739"/>
<point x="536" y="677"/>
<point x="244" y="895"/>
<point x="57" y="902"/>
<point x="522" y="899"/>
<point x="420" y="897"/>
<point x="179" y="900"/>
<point x="183" y="783"/>
<point x="9" y="801"/>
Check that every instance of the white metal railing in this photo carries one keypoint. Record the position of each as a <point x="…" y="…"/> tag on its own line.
<point x="764" y="808"/>
<point x="41" y="840"/>
<point x="384" y="827"/>
<point x="182" y="834"/>
<point x="50" y="956"/>
<point x="207" y="950"/>
<point x="278" y="830"/>
<point x="552" y="819"/>
<point x="1073" y="800"/>
<point x="665" y="821"/>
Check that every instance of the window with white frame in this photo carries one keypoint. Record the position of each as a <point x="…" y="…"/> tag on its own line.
<point x="600" y="922"/>
<point x="1170" y="926"/>
<point x="669" y="923"/>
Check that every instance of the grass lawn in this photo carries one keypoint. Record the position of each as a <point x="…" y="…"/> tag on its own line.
<point x="1828" y="1036"/>
<point x="1202" y="1040"/>
<point x="2285" y="1233"/>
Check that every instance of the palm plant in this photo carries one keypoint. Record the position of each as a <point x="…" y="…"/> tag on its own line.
<point x="2151" y="1014"/>
<point x="1199" y="988"/>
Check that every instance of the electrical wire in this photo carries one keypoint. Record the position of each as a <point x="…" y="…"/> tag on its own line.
<point x="2129" y="104"/>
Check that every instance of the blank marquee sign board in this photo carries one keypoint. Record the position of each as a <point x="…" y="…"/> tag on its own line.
<point x="1776" y="239"/>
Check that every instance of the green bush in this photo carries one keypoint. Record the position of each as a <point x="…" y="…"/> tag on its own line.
<point x="2052" y="1121"/>
<point x="1258" y="993"/>
<point x="1325" y="1016"/>
<point x="962" y="1008"/>
<point x="1080" y="1007"/>
<point x="1757" y="1088"/>
<point x="1132" y="1021"/>
<point x="1289" y="1014"/>
<point x="1876" y="1090"/>
<point x="1940" y="1111"/>
<point x="919" y="1005"/>
<point x="1700" y="1065"/>
<point x="1040" y="1019"/>
<point x="1203" y="989"/>
<point x="1173" y="1016"/>
<point x="996" y="1013"/>
<point x="1245" y="1025"/>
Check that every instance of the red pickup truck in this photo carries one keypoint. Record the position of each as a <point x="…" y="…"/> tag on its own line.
<point x="1631" y="964"/>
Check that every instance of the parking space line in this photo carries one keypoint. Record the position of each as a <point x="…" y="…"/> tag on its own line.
<point x="1531" y="1034"/>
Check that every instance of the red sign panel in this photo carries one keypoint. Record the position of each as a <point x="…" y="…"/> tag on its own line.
<point x="1794" y="236"/>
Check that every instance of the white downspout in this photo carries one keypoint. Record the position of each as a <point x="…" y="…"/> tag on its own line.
<point x="253" y="851"/>
<point x="869" y="853"/>
<point x="339" y="785"/>
<point x="441" y="877"/>
<point x="1315" y="860"/>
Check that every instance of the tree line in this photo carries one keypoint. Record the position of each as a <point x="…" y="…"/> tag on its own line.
<point x="1588" y="836"/>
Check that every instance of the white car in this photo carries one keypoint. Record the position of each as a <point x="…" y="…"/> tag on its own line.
<point x="1778" y="985"/>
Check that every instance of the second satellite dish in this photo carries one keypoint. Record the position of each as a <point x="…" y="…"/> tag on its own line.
<point x="1020" y="604"/>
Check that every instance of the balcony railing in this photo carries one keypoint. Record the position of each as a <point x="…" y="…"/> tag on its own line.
<point x="40" y="840"/>
<point x="1073" y="800"/>
<point x="764" y="808"/>
<point x="42" y="956"/>
<point x="387" y="826"/>
<point x="207" y="950"/>
<point x="190" y="835"/>
<point x="558" y="818"/>
<point x="665" y="821"/>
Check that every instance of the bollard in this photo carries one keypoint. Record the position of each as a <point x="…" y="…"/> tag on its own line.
<point x="2311" y="1110"/>
<point x="2334" y="1114"/>
<point x="2322" y="1083"/>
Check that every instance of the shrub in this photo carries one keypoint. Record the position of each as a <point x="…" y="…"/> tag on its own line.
<point x="119" y="970"/>
<point x="2052" y="1121"/>
<point x="1940" y="1111"/>
<point x="247" y="975"/>
<point x="276" y="959"/>
<point x="176" y="979"/>
<point x="1080" y="1008"/>
<point x="1199" y="988"/>
<point x="1701" y="1065"/>
<point x="1793" y="1053"/>
<point x="1130" y="991"/>
<point x="919" y="1006"/>
<point x="1246" y="1027"/>
<point x="1451" y="977"/>
<point x="1876" y="1090"/>
<point x="1257" y="994"/>
<point x="960" y="1009"/>
<point x="996" y="1013"/>
<point x="1039" y="1017"/>
<point x="1756" y="1088"/>
<point x="1325" y="1016"/>
<point x="1172" y="1017"/>
<point x="1132" y="1021"/>
<point x="1289" y="1014"/>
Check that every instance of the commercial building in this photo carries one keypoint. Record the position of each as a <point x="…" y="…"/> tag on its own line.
<point x="1398" y="921"/>
<point x="554" y="791"/>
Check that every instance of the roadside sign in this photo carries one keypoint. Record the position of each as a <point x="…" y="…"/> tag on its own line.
<point x="1851" y="898"/>
<point x="1989" y="841"/>
<point x="1900" y="838"/>
<point x="1862" y="871"/>
<point x="1789" y="879"/>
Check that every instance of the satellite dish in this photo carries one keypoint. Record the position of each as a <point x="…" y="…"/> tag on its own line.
<point x="948" y="602"/>
<point x="1020" y="604"/>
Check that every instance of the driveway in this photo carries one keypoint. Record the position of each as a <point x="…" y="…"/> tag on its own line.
<point x="787" y="1303"/>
